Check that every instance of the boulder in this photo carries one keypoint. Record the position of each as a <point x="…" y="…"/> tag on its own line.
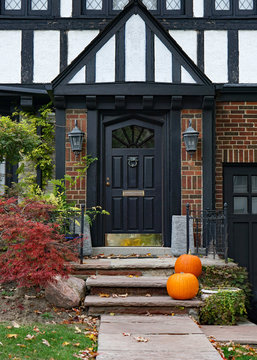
<point x="65" y="292"/>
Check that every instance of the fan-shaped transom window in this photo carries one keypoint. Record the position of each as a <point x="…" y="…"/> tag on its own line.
<point x="133" y="136"/>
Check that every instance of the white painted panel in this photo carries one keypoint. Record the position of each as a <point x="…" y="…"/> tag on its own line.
<point x="80" y="77"/>
<point x="216" y="55"/>
<point x="198" y="8"/>
<point x="187" y="40"/>
<point x="10" y="56"/>
<point x="186" y="77"/>
<point x="247" y="56"/>
<point x="66" y="8"/>
<point x="2" y="178"/>
<point x="135" y="49"/>
<point x="163" y="62"/>
<point x="105" y="62"/>
<point x="78" y="40"/>
<point x="46" y="55"/>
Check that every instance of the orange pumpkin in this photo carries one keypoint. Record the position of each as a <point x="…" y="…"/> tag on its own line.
<point x="182" y="286"/>
<point x="188" y="264"/>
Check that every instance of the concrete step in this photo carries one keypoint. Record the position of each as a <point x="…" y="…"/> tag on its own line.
<point x="142" y="285"/>
<point x="132" y="250"/>
<point x="139" y="305"/>
<point x="123" y="267"/>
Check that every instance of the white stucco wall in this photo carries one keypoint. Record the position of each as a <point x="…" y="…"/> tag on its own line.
<point x="187" y="40"/>
<point x="2" y="178"/>
<point x="46" y="55"/>
<point x="198" y="8"/>
<point x="247" y="56"/>
<point x="135" y="49"/>
<point x="216" y="55"/>
<point x="105" y="62"/>
<point x="10" y="58"/>
<point x="66" y="8"/>
<point x="186" y="77"/>
<point x="78" y="40"/>
<point x="163" y="62"/>
<point x="80" y="77"/>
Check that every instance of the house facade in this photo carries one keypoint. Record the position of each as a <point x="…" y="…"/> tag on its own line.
<point x="132" y="74"/>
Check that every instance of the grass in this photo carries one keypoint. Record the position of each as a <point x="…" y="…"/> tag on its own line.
<point x="238" y="352"/>
<point x="46" y="342"/>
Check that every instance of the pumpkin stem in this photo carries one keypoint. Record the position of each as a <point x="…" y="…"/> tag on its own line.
<point x="189" y="252"/>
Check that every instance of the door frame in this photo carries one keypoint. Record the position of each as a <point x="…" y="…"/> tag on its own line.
<point x="171" y="145"/>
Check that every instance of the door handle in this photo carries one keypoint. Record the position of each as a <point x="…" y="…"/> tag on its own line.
<point x="107" y="182"/>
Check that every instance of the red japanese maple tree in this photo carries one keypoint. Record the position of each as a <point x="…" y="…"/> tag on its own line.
<point x="35" y="250"/>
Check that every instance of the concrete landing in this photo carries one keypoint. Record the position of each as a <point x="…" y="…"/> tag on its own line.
<point x="241" y="334"/>
<point x="133" y="337"/>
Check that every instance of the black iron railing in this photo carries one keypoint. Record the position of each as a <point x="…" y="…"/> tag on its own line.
<point x="71" y="224"/>
<point x="210" y="231"/>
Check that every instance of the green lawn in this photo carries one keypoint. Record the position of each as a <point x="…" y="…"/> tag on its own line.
<point x="46" y="342"/>
<point x="238" y="352"/>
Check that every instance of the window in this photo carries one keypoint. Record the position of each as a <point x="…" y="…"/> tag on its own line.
<point x="26" y="7"/>
<point x="159" y="7"/>
<point x="234" y="7"/>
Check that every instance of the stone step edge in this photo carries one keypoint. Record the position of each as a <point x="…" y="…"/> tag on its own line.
<point x="126" y="281"/>
<point x="131" y="301"/>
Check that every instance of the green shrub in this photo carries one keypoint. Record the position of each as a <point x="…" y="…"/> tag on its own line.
<point x="223" y="308"/>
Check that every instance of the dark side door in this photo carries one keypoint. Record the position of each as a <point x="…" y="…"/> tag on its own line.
<point x="240" y="193"/>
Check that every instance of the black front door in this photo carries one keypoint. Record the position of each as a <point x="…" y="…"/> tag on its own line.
<point x="240" y="192"/>
<point x="133" y="184"/>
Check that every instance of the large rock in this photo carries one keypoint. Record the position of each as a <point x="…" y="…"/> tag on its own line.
<point x="65" y="292"/>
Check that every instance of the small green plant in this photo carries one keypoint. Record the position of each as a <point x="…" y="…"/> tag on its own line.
<point x="223" y="308"/>
<point x="47" y="315"/>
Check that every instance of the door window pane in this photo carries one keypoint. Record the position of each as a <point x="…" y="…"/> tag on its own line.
<point x="245" y="5"/>
<point x="240" y="184"/>
<point x="119" y="4"/>
<point x="133" y="137"/>
<point x="254" y="184"/>
<point x="240" y="205"/>
<point x="12" y="4"/>
<point x="94" y="4"/>
<point x="222" y="4"/>
<point x="173" y="4"/>
<point x="39" y="4"/>
<point x="254" y="205"/>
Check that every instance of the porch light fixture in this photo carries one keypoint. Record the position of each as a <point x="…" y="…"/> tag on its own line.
<point x="190" y="137"/>
<point x="76" y="139"/>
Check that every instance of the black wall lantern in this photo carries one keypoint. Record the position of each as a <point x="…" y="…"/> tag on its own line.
<point x="76" y="139"/>
<point x="190" y="137"/>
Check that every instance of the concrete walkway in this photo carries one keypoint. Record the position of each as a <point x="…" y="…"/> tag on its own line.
<point x="134" y="337"/>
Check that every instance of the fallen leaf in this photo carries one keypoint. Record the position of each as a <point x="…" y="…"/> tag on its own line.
<point x="9" y="336"/>
<point x="112" y="314"/>
<point x="126" y="334"/>
<point x="148" y="295"/>
<point x="9" y="327"/>
<point x="76" y="344"/>
<point x="45" y="342"/>
<point x="21" y="345"/>
<point x="130" y="276"/>
<point x="115" y="296"/>
<point x="141" y="339"/>
<point x="29" y="337"/>
<point x="65" y="343"/>
<point x="123" y="295"/>
<point x="78" y="330"/>
<point x="104" y="295"/>
<point x="15" y="324"/>
<point x="1" y="343"/>
<point x="36" y="329"/>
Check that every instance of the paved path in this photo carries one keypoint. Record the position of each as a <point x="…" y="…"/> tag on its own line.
<point x="134" y="337"/>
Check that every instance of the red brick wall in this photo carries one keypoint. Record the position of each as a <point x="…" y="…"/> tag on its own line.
<point x="191" y="168"/>
<point x="78" y="192"/>
<point x="236" y="138"/>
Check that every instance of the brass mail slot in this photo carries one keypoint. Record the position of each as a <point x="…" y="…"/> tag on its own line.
<point x="133" y="193"/>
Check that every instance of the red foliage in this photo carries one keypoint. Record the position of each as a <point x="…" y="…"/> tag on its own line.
<point x="36" y="252"/>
